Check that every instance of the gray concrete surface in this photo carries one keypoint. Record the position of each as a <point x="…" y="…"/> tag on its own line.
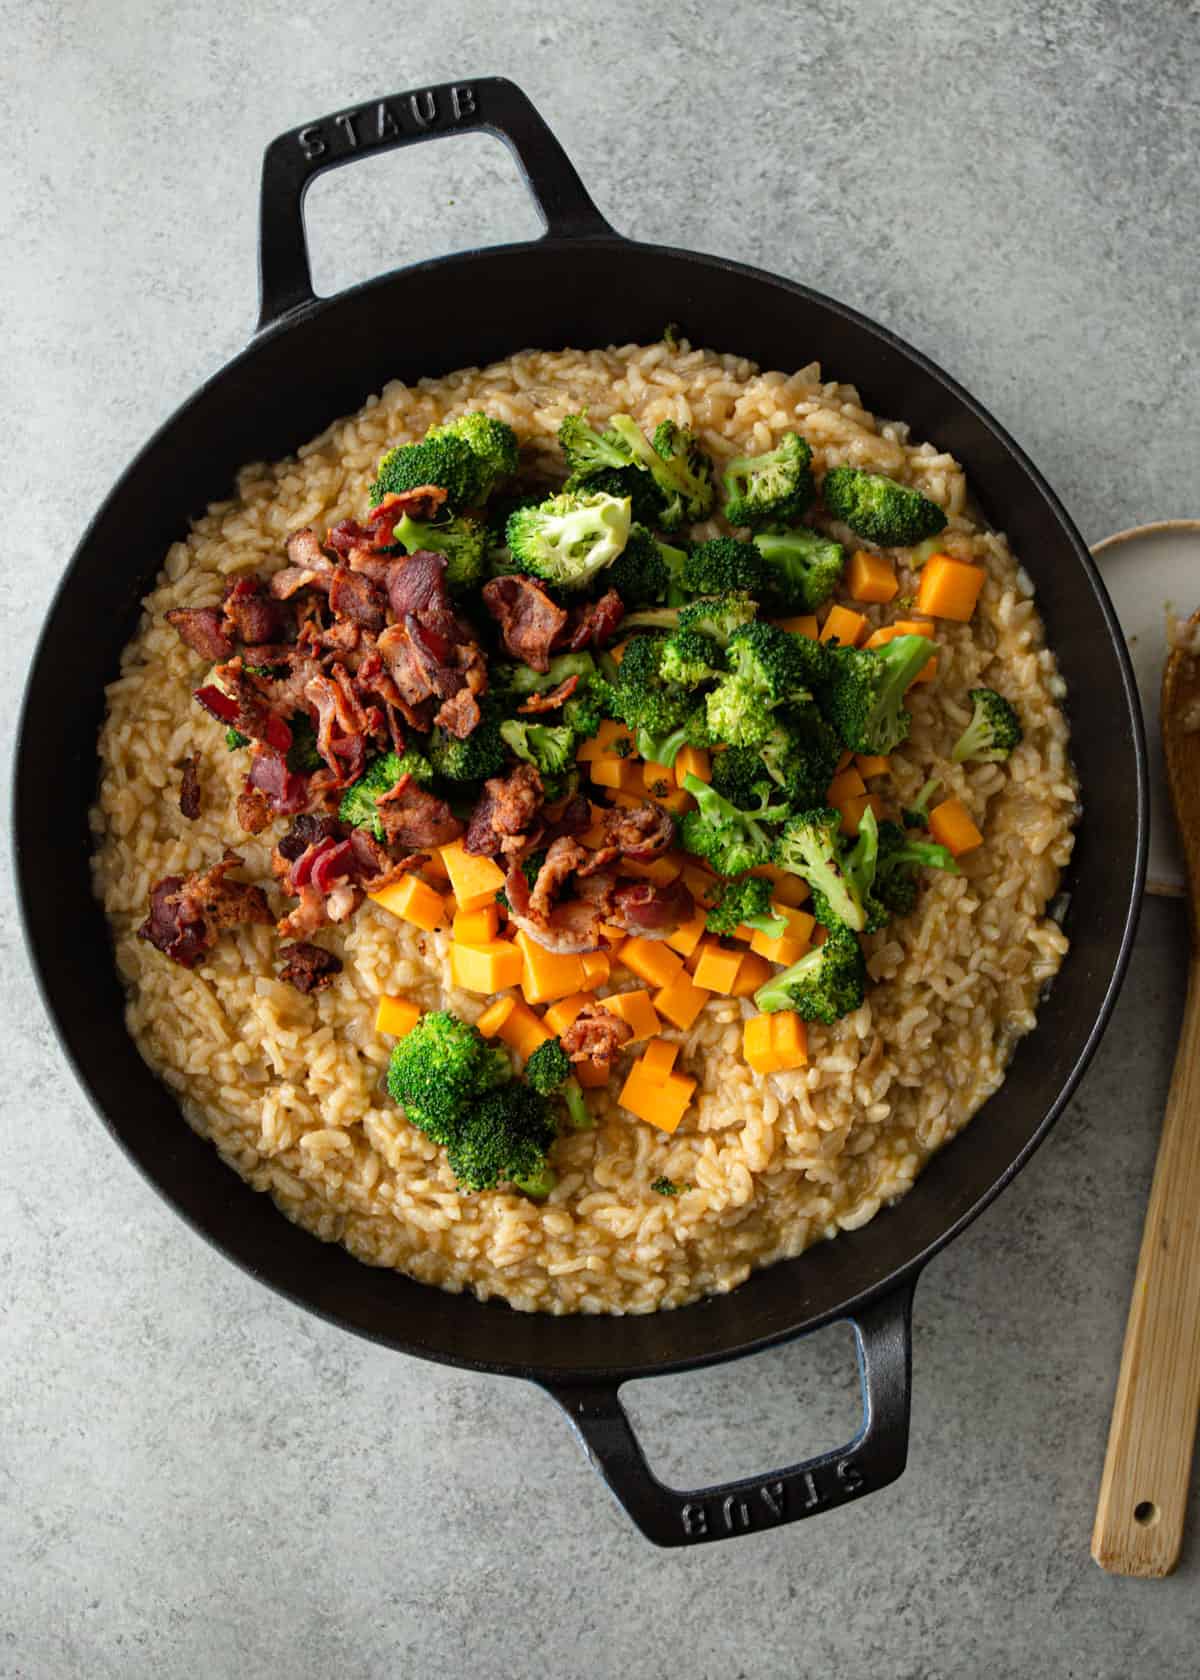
<point x="197" y="1479"/>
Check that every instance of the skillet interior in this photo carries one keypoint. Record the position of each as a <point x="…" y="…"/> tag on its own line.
<point x="322" y="362"/>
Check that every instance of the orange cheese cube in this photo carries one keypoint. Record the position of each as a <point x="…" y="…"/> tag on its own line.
<point x="851" y="811"/>
<point x="495" y="1015"/>
<point x="846" y="759"/>
<point x="597" y="966"/>
<point x="475" y="880"/>
<point x="951" y="826"/>
<point x="843" y="626"/>
<point x="591" y="1077"/>
<point x="788" y="889"/>
<point x="790" y="946"/>
<point x="547" y="975"/>
<point x="617" y="653"/>
<point x="658" y="1058"/>
<point x="434" y="870"/>
<point x="676" y="800"/>
<point x="844" y="786"/>
<point x="662" y="871"/>
<point x="477" y="927"/>
<point x="485" y="968"/>
<point x="754" y="972"/>
<point x="523" y="1030"/>
<point x="688" y="935"/>
<point x="692" y="761"/>
<point x="757" y="1050"/>
<point x="681" y="1001"/>
<point x="637" y="1011"/>
<point x="658" y="778"/>
<point x="567" y="1010"/>
<point x="869" y="577"/>
<point x="949" y="588"/>
<point x="717" y="969"/>
<point x="414" y="901"/>
<point x="919" y="627"/>
<point x="872" y="764"/>
<point x="620" y="774"/>
<point x="805" y="625"/>
<point x="605" y="741"/>
<point x="396" y="1016"/>
<point x="702" y="884"/>
<point x="651" y="960"/>
<point x="662" y="1102"/>
<point x="789" y="1040"/>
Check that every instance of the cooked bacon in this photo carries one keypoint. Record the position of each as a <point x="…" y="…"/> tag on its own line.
<point x="554" y="697"/>
<point x="562" y="859"/>
<point x="285" y="790"/>
<point x="642" y="834"/>
<point x="415" y="819"/>
<point x="417" y="583"/>
<point x="341" y="724"/>
<point x="306" y="831"/>
<point x="595" y="1036"/>
<point x="529" y="620"/>
<point x="253" y="810"/>
<point x="594" y="623"/>
<point x="189" y="787"/>
<point x="238" y="700"/>
<point x="202" y="629"/>
<point x="571" y="816"/>
<point x="394" y="871"/>
<point x="505" y="813"/>
<point x="460" y="714"/>
<point x="347" y="535"/>
<point x="353" y="596"/>
<point x="423" y="502"/>
<point x="310" y="566"/>
<point x="187" y="912"/>
<point x="308" y="967"/>
<point x="412" y="665"/>
<point x="251" y="616"/>
<point x="650" y="911"/>
<point x="574" y="924"/>
<point x="306" y="918"/>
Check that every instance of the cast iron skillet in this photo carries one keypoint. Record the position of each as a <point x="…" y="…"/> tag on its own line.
<point x="312" y="359"/>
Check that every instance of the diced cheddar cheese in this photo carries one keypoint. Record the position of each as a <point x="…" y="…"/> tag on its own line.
<point x="590" y="1076"/>
<point x="414" y="901"/>
<point x="951" y="826"/>
<point x="485" y="968"/>
<point x="688" y="935"/>
<point x="663" y="1102"/>
<point x="612" y="934"/>
<point x="477" y="927"/>
<point x="596" y="835"/>
<point x="717" y="969"/>
<point x="949" y="588"/>
<point x="681" y="1001"/>
<point x="702" y="884"/>
<point x="920" y="627"/>
<point x="621" y="774"/>
<point x="657" y="778"/>
<point x="597" y="966"/>
<point x="662" y="871"/>
<point x="567" y="1010"/>
<point x="637" y="1011"/>
<point x="475" y="880"/>
<point x="775" y="1043"/>
<point x="495" y="1015"/>
<point x="844" y="786"/>
<point x="872" y="764"/>
<point x="396" y="1016"/>
<point x="675" y="799"/>
<point x="547" y="975"/>
<point x="843" y="626"/>
<point x="791" y="945"/>
<point x="524" y="1031"/>
<point x="846" y="758"/>
<point x="787" y="888"/>
<point x="604" y="741"/>
<point x="756" y="1044"/>
<point x="651" y="960"/>
<point x="805" y="625"/>
<point x="434" y="870"/>
<point x="754" y="972"/>
<point x="851" y="811"/>
<point x="692" y="761"/>
<point x="869" y="577"/>
<point x="658" y="1058"/>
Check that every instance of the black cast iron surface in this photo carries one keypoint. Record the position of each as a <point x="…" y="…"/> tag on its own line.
<point x="581" y="284"/>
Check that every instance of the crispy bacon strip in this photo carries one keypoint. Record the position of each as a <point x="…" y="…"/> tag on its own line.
<point x="529" y="620"/>
<point x="189" y="787"/>
<point x="651" y="911"/>
<point x="554" y="697"/>
<point x="309" y="968"/>
<point x="595" y="1036"/>
<point x="187" y="912"/>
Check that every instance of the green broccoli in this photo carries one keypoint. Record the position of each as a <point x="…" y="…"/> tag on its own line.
<point x="358" y="804"/>
<point x="587" y="708"/>
<point x="916" y="815"/>
<point x="993" y="732"/>
<point x="718" y="616"/>
<point x="589" y="451"/>
<point x="746" y="903"/>
<point x="664" y="1187"/>
<point x="303" y="756"/>
<point x="767" y="668"/>
<point x="724" y="566"/>
<point x="810" y="846"/>
<point x="550" y="746"/>
<point x="898" y="862"/>
<point x="642" y="697"/>
<point x="770" y="489"/>
<point x="568" y="539"/>
<point x="234" y="739"/>
<point x="795" y="762"/>
<point x="879" y="509"/>
<point x="803" y="568"/>
<point x="863" y="694"/>
<point x="492" y="443"/>
<point x="523" y="680"/>
<point x="732" y="841"/>
<point x="646" y="571"/>
<point x="440" y="1070"/>
<point x="859" y="864"/>
<point x="548" y="1070"/>
<point x="445" y="460"/>
<point x="482" y="754"/>
<point x="676" y="463"/>
<point x="690" y="658"/>
<point x="504" y="1138"/>
<point x="464" y="542"/>
<point x="827" y="983"/>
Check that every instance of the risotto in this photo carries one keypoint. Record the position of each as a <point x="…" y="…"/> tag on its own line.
<point x="289" y="1086"/>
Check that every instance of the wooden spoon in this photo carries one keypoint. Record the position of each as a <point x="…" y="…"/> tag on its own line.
<point x="1143" y="1492"/>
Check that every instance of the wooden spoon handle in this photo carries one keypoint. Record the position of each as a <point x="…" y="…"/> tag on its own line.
<point x="1143" y="1492"/>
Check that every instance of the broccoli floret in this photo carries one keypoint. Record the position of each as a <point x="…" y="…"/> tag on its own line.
<point x="689" y="659"/>
<point x="810" y="846"/>
<point x="492" y="443"/>
<point x="879" y="509"/>
<point x="587" y="708"/>
<point x="440" y="1070"/>
<point x="899" y="860"/>
<point x="664" y="1187"/>
<point x="824" y="985"/>
<point x="504" y="1138"/>
<point x="724" y="566"/>
<point x="916" y="815"/>
<point x="303" y="756"/>
<point x="551" y="746"/>
<point x="234" y="739"/>
<point x="482" y="754"/>
<point x="642" y="697"/>
<point x="464" y="542"/>
<point x="863" y="695"/>
<point x="732" y="841"/>
<point x="523" y="680"/>
<point x="767" y="668"/>
<point x="646" y="571"/>
<point x="664" y="749"/>
<point x="801" y="756"/>
<point x="548" y="1070"/>
<point x="445" y="460"/>
<point x="589" y="451"/>
<point x="993" y="732"/>
<point x="568" y="539"/>
<point x="746" y="903"/>
<point x="645" y="500"/>
<point x="358" y="804"/>
<point x="770" y="489"/>
<point x="803" y="568"/>
<point x="718" y="616"/>
<point x="674" y="460"/>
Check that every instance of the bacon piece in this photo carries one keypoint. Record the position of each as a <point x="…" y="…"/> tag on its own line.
<point x="573" y="925"/>
<point x="554" y="697"/>
<point x="189" y="787"/>
<point x="285" y="790"/>
<point x="417" y="583"/>
<point x="251" y="616"/>
<point x="310" y="566"/>
<point x="572" y="816"/>
<point x="187" y="912"/>
<point x="529" y="620"/>
<point x="306" y="918"/>
<point x="306" y="831"/>
<point x="423" y="502"/>
<point x="354" y="597"/>
<point x="594" y="622"/>
<point x="202" y="629"/>
<point x="595" y="1036"/>
<point x="239" y="701"/>
<point x="562" y="859"/>
<point x="460" y="714"/>
<point x="411" y="664"/>
<point x="414" y="819"/>
<point x="341" y="724"/>
<point x="253" y="810"/>
<point x="308" y="967"/>
<point x="505" y="813"/>
<point x="651" y="911"/>
<point x="642" y="834"/>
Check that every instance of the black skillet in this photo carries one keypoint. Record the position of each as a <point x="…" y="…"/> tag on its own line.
<point x="315" y="358"/>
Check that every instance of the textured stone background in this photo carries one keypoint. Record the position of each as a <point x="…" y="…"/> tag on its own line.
<point x="196" y="1479"/>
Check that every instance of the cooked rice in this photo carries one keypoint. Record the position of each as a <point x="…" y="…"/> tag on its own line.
<point x="289" y="1088"/>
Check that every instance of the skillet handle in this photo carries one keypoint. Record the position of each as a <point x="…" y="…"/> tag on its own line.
<point x="491" y="105"/>
<point x="875" y="1457"/>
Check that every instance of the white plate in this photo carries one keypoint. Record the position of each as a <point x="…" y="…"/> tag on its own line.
<point x="1146" y="571"/>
